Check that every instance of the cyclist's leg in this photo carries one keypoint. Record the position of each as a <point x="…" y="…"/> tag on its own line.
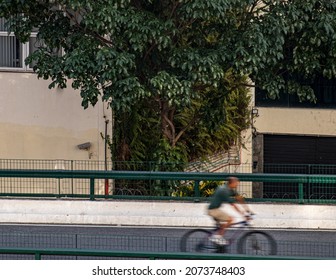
<point x="222" y="218"/>
<point x="224" y="226"/>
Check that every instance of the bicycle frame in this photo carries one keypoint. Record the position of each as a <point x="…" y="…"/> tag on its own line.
<point x="243" y="234"/>
<point x="240" y="226"/>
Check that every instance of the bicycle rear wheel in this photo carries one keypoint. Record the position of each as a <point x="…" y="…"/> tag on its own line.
<point x="257" y="243"/>
<point x="197" y="241"/>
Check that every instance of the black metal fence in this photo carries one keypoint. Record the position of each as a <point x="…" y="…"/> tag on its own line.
<point x="312" y="191"/>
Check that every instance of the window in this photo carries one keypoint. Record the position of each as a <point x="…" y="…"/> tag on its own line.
<point x="324" y="89"/>
<point x="12" y="52"/>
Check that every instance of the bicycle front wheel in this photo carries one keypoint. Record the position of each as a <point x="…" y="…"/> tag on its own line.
<point x="257" y="243"/>
<point x="197" y="241"/>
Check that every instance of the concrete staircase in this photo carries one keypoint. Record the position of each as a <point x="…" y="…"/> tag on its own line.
<point x="216" y="163"/>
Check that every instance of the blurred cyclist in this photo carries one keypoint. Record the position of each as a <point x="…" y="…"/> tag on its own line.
<point x="226" y="194"/>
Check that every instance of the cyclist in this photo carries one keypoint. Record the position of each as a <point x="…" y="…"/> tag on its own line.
<point x="227" y="194"/>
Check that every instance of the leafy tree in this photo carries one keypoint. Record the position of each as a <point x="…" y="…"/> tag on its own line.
<point x="137" y="135"/>
<point x="176" y="53"/>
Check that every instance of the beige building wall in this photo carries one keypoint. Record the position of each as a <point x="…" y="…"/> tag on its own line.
<point x="319" y="122"/>
<point x="39" y="123"/>
<point x="244" y="162"/>
<point x="246" y="156"/>
<point x="247" y="139"/>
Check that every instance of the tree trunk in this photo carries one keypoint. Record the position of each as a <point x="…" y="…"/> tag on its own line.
<point x="167" y="122"/>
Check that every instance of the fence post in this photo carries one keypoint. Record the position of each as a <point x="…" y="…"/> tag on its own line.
<point x="92" y="189"/>
<point x="197" y="193"/>
<point x="72" y="179"/>
<point x="310" y="171"/>
<point x="37" y="256"/>
<point x="301" y="200"/>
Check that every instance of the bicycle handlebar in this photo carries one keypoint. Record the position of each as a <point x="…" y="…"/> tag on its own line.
<point x="245" y="222"/>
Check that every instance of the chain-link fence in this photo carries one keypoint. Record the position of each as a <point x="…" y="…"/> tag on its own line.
<point x="74" y="186"/>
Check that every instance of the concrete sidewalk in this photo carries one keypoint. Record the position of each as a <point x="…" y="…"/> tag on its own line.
<point x="149" y="213"/>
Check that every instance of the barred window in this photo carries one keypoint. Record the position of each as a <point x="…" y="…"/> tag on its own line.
<point x="12" y="52"/>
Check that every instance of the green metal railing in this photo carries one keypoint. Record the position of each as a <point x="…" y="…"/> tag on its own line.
<point x="38" y="253"/>
<point x="77" y="187"/>
<point x="170" y="181"/>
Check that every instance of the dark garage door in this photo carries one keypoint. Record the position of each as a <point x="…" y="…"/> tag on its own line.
<point x="299" y="155"/>
<point x="287" y="149"/>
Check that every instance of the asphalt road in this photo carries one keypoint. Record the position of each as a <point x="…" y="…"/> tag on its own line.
<point x="289" y="242"/>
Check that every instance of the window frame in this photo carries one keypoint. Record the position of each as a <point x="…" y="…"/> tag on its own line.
<point x="24" y="53"/>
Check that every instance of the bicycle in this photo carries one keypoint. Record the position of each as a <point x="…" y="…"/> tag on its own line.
<point x="252" y="242"/>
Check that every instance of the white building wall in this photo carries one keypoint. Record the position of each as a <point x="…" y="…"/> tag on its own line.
<point x="39" y="123"/>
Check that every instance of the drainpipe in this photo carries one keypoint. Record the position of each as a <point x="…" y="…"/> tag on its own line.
<point x="105" y="156"/>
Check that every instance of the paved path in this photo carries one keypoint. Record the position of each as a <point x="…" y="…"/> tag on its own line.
<point x="290" y="242"/>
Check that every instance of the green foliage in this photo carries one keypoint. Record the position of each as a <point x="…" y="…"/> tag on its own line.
<point x="136" y="134"/>
<point x="174" y="69"/>
<point x="206" y="188"/>
<point x="166" y="153"/>
<point x="219" y="118"/>
<point x="212" y="124"/>
<point x="129" y="50"/>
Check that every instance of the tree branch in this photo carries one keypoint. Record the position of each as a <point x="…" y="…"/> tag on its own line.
<point x="179" y="135"/>
<point x="247" y="85"/>
<point x="149" y="51"/>
<point x="172" y="127"/>
<point x="73" y="18"/>
<point x="174" y="9"/>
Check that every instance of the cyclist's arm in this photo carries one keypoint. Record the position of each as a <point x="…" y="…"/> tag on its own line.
<point x="240" y="199"/>
<point x="237" y="209"/>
